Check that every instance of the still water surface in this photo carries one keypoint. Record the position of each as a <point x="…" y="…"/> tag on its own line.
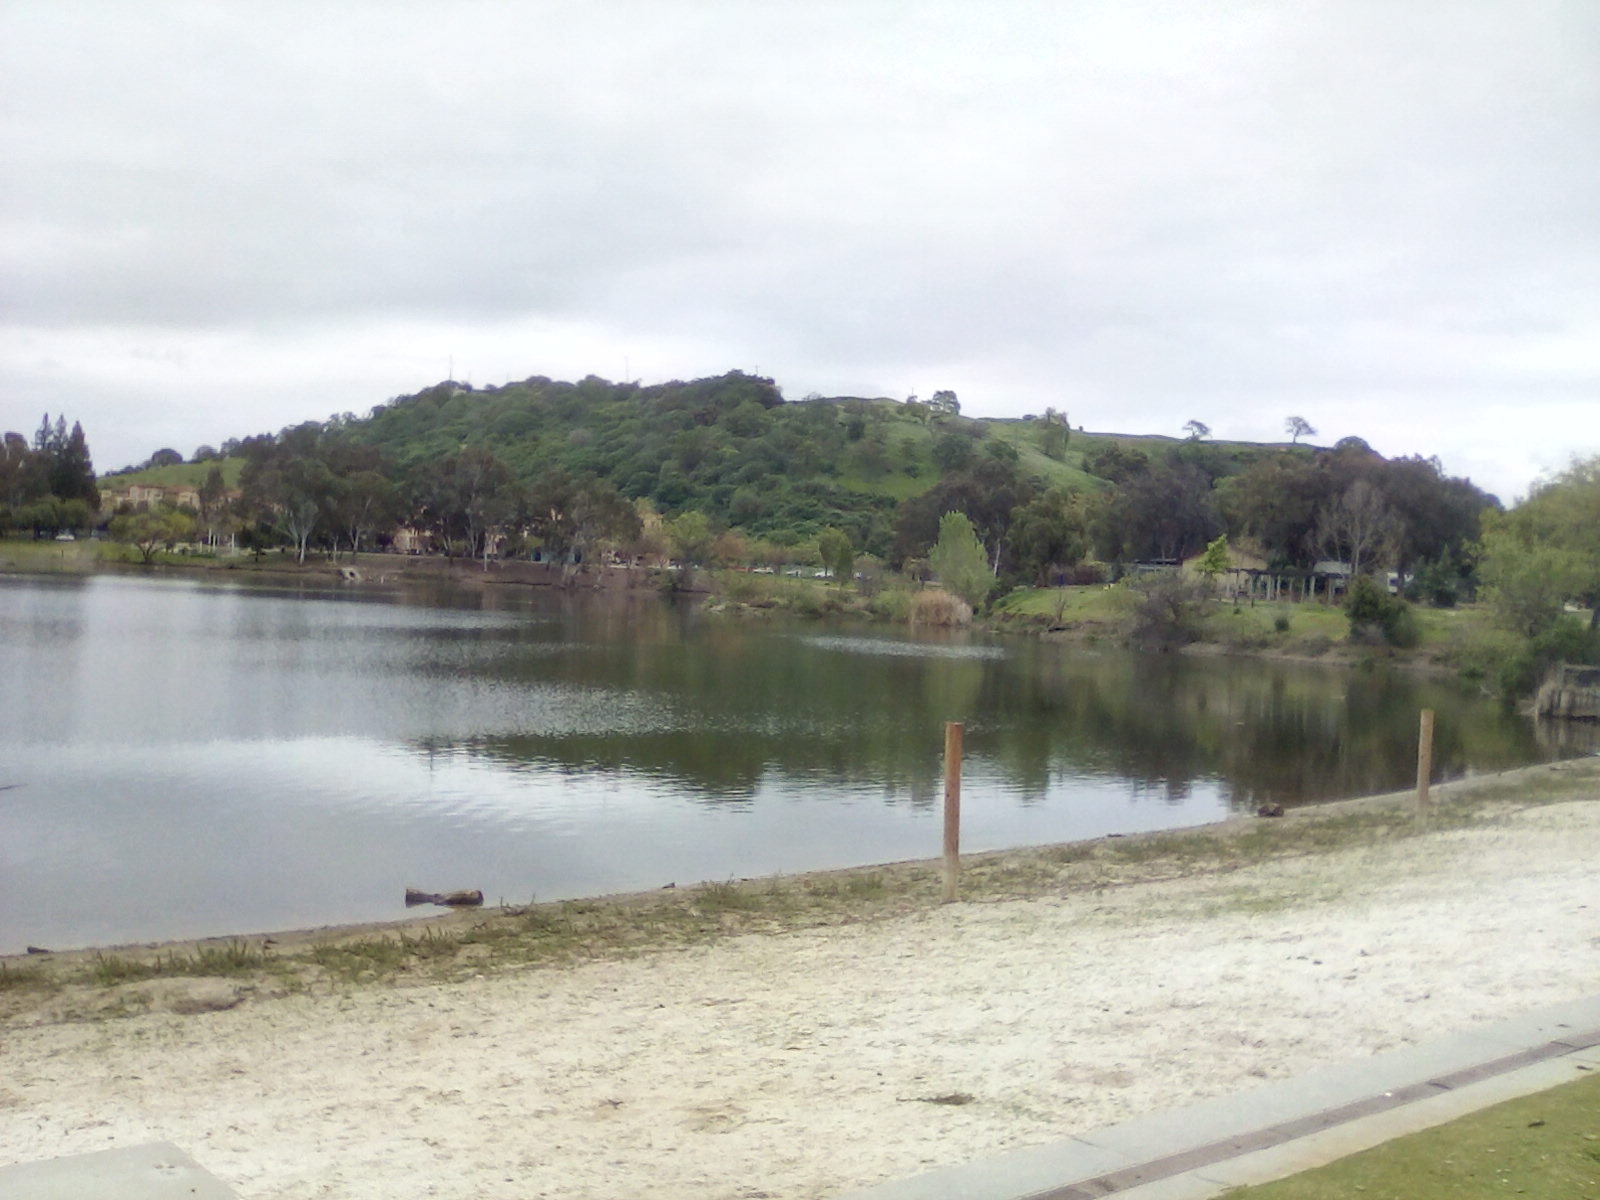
<point x="181" y="758"/>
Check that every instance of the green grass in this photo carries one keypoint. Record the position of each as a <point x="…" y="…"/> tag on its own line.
<point x="17" y="979"/>
<point x="1095" y="604"/>
<point x="1546" y="1145"/>
<point x="1066" y="473"/>
<point x="46" y="557"/>
<point x="178" y="475"/>
<point x="236" y="958"/>
<point x="726" y="896"/>
<point x="1311" y="626"/>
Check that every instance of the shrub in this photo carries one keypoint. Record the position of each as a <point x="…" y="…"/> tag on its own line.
<point x="1373" y="612"/>
<point x="1084" y="574"/>
<point x="1281" y="622"/>
<point x="1170" y="610"/>
<point x="1524" y="667"/>
<point x="891" y="604"/>
<point x="935" y="606"/>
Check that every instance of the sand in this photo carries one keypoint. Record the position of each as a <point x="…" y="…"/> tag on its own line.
<point x="808" y="1063"/>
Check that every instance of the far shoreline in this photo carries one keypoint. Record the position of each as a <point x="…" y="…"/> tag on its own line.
<point x="377" y="571"/>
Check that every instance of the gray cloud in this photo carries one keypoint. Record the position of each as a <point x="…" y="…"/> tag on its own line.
<point x="1148" y="211"/>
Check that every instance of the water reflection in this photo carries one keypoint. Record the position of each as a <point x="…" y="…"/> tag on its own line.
<point x="208" y="758"/>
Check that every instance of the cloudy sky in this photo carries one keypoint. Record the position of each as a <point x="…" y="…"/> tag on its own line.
<point x="221" y="218"/>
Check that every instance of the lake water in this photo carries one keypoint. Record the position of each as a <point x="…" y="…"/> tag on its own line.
<point x="182" y="758"/>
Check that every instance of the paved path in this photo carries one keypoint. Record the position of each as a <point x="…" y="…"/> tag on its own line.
<point x="1283" y="1128"/>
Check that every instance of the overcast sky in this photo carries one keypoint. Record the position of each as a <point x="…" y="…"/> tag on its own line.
<point x="221" y="218"/>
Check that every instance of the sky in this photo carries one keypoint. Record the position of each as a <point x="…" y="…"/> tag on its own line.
<point x="221" y="219"/>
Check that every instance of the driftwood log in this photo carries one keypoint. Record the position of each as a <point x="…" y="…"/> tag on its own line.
<point x="453" y="899"/>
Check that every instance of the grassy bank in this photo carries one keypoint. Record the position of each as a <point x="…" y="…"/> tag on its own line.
<point x="99" y="983"/>
<point x="1307" y="629"/>
<point x="1547" y="1144"/>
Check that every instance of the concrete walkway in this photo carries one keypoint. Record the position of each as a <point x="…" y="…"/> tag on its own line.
<point x="158" y="1171"/>
<point x="1199" y="1152"/>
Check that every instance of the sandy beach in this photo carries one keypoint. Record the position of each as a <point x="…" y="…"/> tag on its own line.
<point x="803" y="1063"/>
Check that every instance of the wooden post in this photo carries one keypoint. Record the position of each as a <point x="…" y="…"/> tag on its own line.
<point x="952" y="807"/>
<point x="1424" y="760"/>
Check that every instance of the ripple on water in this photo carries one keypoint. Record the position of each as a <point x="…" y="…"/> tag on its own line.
<point x="895" y="648"/>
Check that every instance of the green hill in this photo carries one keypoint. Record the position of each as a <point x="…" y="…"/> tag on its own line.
<point x="190" y="474"/>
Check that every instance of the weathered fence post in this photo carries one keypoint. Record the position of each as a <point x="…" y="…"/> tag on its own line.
<point x="952" y="807"/>
<point x="1424" y="760"/>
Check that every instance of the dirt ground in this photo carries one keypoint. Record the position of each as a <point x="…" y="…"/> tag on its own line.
<point x="805" y="1063"/>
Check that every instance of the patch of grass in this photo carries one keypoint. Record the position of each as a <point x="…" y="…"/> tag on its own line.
<point x="852" y="886"/>
<point x="1095" y="604"/>
<point x="16" y="979"/>
<point x="235" y="958"/>
<point x="725" y="896"/>
<point x="176" y="475"/>
<point x="381" y="956"/>
<point x="109" y="970"/>
<point x="1259" y="623"/>
<point x="1547" y="1144"/>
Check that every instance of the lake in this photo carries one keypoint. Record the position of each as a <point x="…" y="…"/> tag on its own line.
<point x="184" y="758"/>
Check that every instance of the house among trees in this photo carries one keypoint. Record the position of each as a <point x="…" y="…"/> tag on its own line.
<point x="141" y="497"/>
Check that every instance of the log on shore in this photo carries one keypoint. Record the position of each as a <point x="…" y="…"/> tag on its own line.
<point x="453" y="899"/>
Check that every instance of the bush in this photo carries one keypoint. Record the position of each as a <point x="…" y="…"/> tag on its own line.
<point x="1402" y="630"/>
<point x="1170" y="610"/>
<point x="1524" y="668"/>
<point x="891" y="604"/>
<point x="1373" y="612"/>
<point x="935" y="606"/>
<point x="1281" y="622"/>
<point x="1085" y="574"/>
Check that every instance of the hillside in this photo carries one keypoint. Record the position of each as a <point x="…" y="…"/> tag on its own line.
<point x="730" y="447"/>
<point x="563" y="469"/>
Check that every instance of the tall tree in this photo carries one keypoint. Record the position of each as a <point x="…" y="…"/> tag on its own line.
<point x="215" y="515"/>
<point x="1359" y="527"/>
<point x="1546" y="551"/>
<point x="363" y="504"/>
<point x="1277" y="502"/>
<point x="1047" y="534"/>
<point x="1297" y="428"/>
<point x="1054" y="433"/>
<point x="1165" y="512"/>
<point x="959" y="560"/>
<point x="837" y="555"/>
<point x="72" y="471"/>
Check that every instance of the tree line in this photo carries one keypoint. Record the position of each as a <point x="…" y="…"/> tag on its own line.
<point x="47" y="486"/>
<point x="570" y="467"/>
